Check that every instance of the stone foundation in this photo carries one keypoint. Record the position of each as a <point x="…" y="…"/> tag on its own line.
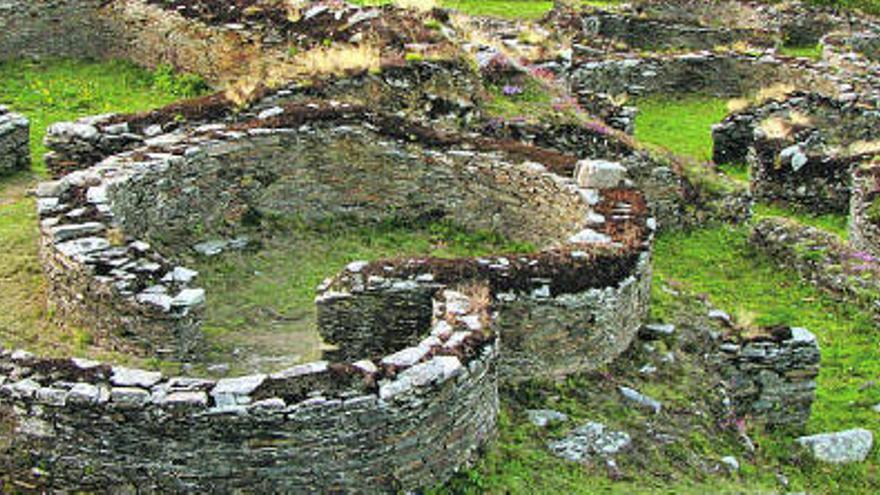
<point x="864" y="210"/>
<point x="772" y="378"/>
<point x="124" y="221"/>
<point x="15" y="152"/>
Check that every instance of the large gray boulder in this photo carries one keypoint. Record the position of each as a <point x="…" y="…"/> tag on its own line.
<point x="840" y="447"/>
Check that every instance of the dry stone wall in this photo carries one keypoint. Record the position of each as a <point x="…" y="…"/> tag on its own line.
<point x="557" y="312"/>
<point x="772" y="378"/>
<point x="15" y="151"/>
<point x="645" y="33"/>
<point x="864" y="211"/>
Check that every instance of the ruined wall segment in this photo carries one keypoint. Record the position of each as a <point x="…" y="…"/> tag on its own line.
<point x="771" y="378"/>
<point x="15" y="153"/>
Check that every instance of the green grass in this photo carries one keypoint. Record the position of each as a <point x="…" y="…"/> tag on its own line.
<point x="519" y="9"/>
<point x="49" y="92"/>
<point x="62" y="90"/>
<point x="263" y="302"/>
<point x="811" y="52"/>
<point x="834" y="223"/>
<point x="508" y="9"/>
<point x="681" y="125"/>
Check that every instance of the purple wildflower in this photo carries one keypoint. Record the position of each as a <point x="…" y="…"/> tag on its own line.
<point x="511" y="90"/>
<point x="863" y="256"/>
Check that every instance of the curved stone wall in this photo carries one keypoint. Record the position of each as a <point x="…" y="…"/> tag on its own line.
<point x="126" y="219"/>
<point x="557" y="312"/>
<point x="421" y="396"/>
<point x="864" y="210"/>
<point x="409" y="420"/>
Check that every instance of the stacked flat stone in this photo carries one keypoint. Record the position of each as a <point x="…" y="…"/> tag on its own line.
<point x="15" y="152"/>
<point x="772" y="379"/>
<point x="121" y="288"/>
<point x="81" y="144"/>
<point x="734" y="135"/>
<point x="402" y="422"/>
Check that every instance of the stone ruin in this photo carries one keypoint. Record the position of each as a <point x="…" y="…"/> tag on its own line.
<point x="415" y="344"/>
<point x="409" y="393"/>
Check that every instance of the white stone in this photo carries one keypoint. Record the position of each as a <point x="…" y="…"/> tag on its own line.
<point x="270" y="112"/>
<point x="186" y="398"/>
<point x="63" y="233"/>
<point x="356" y="266"/>
<point x="640" y="399"/>
<point x="406" y="357"/>
<point x="730" y="463"/>
<point x="236" y="391"/>
<point x="161" y="301"/>
<point x="590" y="440"/>
<point x="130" y="377"/>
<point x="599" y="174"/>
<point x="97" y="194"/>
<point x="545" y="417"/>
<point x="129" y="396"/>
<point x="437" y="370"/>
<point x="589" y="236"/>
<point x="84" y="393"/>
<point x="25" y="389"/>
<point x="802" y="335"/>
<point x="72" y="130"/>
<point x="301" y="370"/>
<point x="189" y="298"/>
<point x="82" y="246"/>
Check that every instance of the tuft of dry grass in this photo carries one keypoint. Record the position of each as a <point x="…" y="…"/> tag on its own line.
<point x="799" y="119"/>
<point x="775" y="92"/>
<point x="339" y="59"/>
<point x="737" y="105"/>
<point x="776" y="128"/>
<point x="864" y="147"/>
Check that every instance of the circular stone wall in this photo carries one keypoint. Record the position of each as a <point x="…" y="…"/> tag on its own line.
<point x="413" y="391"/>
